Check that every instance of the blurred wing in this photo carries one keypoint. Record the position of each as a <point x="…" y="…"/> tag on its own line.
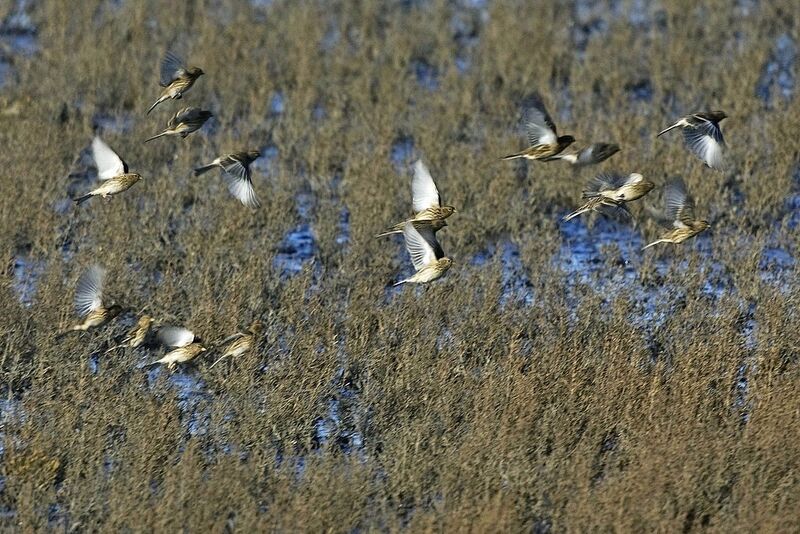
<point x="679" y="205"/>
<point x="423" y="191"/>
<point x="420" y="250"/>
<point x="541" y="130"/>
<point x="172" y="67"/>
<point x="89" y="292"/>
<point x="184" y="115"/>
<point x="241" y="187"/>
<point x="633" y="178"/>
<point x="706" y="142"/>
<point x="605" y="182"/>
<point x="596" y="153"/>
<point x="108" y="163"/>
<point x="235" y="168"/>
<point x="175" y="336"/>
<point x="429" y="236"/>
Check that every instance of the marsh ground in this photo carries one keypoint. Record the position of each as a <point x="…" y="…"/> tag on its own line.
<point x="558" y="379"/>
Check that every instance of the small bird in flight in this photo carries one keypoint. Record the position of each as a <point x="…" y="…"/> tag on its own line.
<point x="176" y="79"/>
<point x="236" y="170"/>
<point x="242" y="342"/>
<point x="184" y="122"/>
<point x="137" y="335"/>
<point x="678" y="215"/>
<point x="186" y="346"/>
<point x="591" y="155"/>
<point x="703" y="136"/>
<point x="89" y="301"/>
<point x="612" y="191"/>
<point x="542" y="134"/>
<point x="426" y="202"/>
<point x="426" y="255"/>
<point x="111" y="170"/>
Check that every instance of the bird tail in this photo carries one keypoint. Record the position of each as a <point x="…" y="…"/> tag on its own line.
<point x="155" y="136"/>
<point x="82" y="199"/>
<point x="582" y="209"/>
<point x="512" y="156"/>
<point x="388" y="232"/>
<point x="157" y="102"/>
<point x="654" y="243"/>
<point x="662" y="132"/>
<point x="204" y="169"/>
<point x="218" y="360"/>
<point x="400" y="282"/>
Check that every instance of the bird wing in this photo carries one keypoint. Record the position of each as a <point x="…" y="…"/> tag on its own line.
<point x="108" y="163"/>
<point x="235" y="165"/>
<point x="706" y="142"/>
<point x="89" y="292"/>
<point x="423" y="191"/>
<point x="172" y="67"/>
<point x="175" y="336"/>
<point x="241" y="187"/>
<point x="540" y="127"/>
<point x="679" y="205"/>
<point x="633" y="178"/>
<point x="185" y="115"/>
<point x="419" y="248"/>
<point x="605" y="182"/>
<point x="597" y="152"/>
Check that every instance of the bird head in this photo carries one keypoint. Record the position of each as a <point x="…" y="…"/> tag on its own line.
<point x="196" y="72"/>
<point x="717" y="116"/>
<point x="566" y="140"/>
<point x="448" y="210"/>
<point x="702" y="225"/>
<point x="446" y="263"/>
<point x="254" y="154"/>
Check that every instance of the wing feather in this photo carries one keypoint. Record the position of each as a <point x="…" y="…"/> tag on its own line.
<point x="108" y="163"/>
<point x="706" y="142"/>
<point x="172" y="67"/>
<point x="420" y="250"/>
<point x="423" y="190"/>
<point x="89" y="291"/>
<point x="175" y="336"/>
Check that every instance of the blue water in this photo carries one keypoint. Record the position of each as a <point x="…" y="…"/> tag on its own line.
<point x="778" y="74"/>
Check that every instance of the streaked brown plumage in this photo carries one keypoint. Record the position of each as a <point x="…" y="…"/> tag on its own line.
<point x="137" y="335"/>
<point x="702" y="135"/>
<point x="187" y="347"/>
<point x="242" y="342"/>
<point x="175" y="78"/>
<point x="184" y="122"/>
<point x="591" y="155"/>
<point x="434" y="225"/>
<point x="612" y="191"/>
<point x="426" y="202"/>
<point x="111" y="170"/>
<point x="678" y="215"/>
<point x="426" y="255"/>
<point x="89" y="301"/>
<point x="545" y="143"/>
<point x="236" y="170"/>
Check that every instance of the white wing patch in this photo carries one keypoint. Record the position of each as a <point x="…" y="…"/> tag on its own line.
<point x="109" y="164"/>
<point x="89" y="293"/>
<point x="242" y="190"/>
<point x="419" y="249"/>
<point x="706" y="142"/>
<point x="423" y="191"/>
<point x="175" y="336"/>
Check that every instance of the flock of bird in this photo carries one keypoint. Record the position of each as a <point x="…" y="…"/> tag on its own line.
<point x="604" y="193"/>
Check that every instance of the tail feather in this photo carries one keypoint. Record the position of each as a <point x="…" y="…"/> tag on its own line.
<point x="155" y="136"/>
<point x="512" y="156"/>
<point x="82" y="199"/>
<point x="575" y="213"/>
<point x="204" y="169"/>
<point x="218" y="360"/>
<point x="400" y="282"/>
<point x="662" y="132"/>
<point x="654" y="243"/>
<point x="157" y="102"/>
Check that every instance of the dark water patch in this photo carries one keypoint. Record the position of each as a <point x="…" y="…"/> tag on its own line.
<point x="298" y="247"/>
<point x="514" y="277"/>
<point x="343" y="227"/>
<point x="119" y="123"/>
<point x="318" y="112"/>
<point x="190" y="394"/>
<point x="402" y="152"/>
<point x="268" y="162"/>
<point x="745" y="8"/>
<point x="777" y="267"/>
<point x="277" y="103"/>
<point x="427" y="75"/>
<point x="640" y="91"/>
<point x="778" y="73"/>
<point x="27" y="272"/>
